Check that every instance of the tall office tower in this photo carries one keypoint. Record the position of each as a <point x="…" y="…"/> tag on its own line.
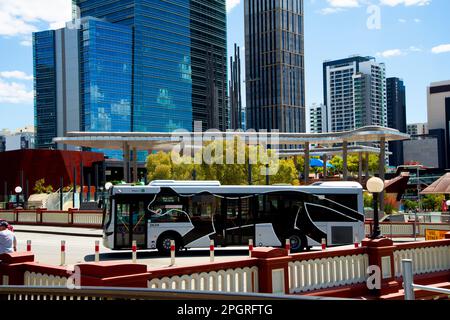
<point x="318" y="118"/>
<point x="172" y="42"/>
<point x="396" y="116"/>
<point x="438" y="94"/>
<point x="417" y="129"/>
<point x="275" y="74"/>
<point x="354" y="93"/>
<point x="56" y="83"/>
<point x="235" y="90"/>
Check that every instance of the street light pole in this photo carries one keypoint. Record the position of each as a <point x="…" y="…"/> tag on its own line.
<point x="375" y="186"/>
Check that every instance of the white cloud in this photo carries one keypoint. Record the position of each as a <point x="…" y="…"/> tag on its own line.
<point x="391" y="53"/>
<point x="21" y="17"/>
<point x="231" y="4"/>
<point x="414" y="49"/>
<point x="443" y="48"/>
<point x="402" y="20"/>
<point x="407" y="3"/>
<point x="19" y="75"/>
<point x="13" y="92"/>
<point x="327" y="11"/>
<point x="343" y="3"/>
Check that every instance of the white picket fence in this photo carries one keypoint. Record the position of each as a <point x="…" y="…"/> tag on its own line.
<point x="43" y="280"/>
<point x="230" y="280"/>
<point x="425" y="260"/>
<point x="308" y="275"/>
<point x="87" y="218"/>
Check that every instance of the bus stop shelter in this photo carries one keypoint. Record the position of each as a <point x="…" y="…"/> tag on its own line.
<point x="153" y="141"/>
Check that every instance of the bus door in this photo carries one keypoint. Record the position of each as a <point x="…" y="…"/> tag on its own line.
<point x="232" y="230"/>
<point x="131" y="224"/>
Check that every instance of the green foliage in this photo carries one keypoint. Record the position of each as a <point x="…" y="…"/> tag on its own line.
<point x="163" y="166"/>
<point x="368" y="200"/>
<point x="40" y="187"/>
<point x="390" y="204"/>
<point x="410" y="205"/>
<point x="432" y="202"/>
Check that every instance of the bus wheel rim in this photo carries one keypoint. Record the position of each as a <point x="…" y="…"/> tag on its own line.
<point x="295" y="242"/>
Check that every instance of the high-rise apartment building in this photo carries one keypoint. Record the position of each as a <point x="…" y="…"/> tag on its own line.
<point x="275" y="73"/>
<point x="396" y="116"/>
<point x="417" y="129"/>
<point x="354" y="93"/>
<point x="132" y="65"/>
<point x="317" y="118"/>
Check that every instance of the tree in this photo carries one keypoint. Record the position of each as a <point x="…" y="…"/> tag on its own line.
<point x="368" y="200"/>
<point x="39" y="187"/>
<point x="432" y="201"/>
<point x="212" y="164"/>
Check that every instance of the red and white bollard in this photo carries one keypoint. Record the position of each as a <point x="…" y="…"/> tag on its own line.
<point x="134" y="249"/>
<point x="211" y="251"/>
<point x="172" y="252"/>
<point x="250" y="247"/>
<point x="28" y="245"/>
<point x="288" y="246"/>
<point x="97" y="251"/>
<point x="324" y="244"/>
<point x="356" y="242"/>
<point x="63" y="253"/>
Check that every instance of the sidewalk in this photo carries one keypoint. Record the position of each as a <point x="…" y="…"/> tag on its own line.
<point x="68" y="231"/>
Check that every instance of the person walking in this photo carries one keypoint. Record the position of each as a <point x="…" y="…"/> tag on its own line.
<point x="8" y="241"/>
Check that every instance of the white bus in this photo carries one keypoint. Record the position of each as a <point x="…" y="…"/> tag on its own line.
<point x="194" y="212"/>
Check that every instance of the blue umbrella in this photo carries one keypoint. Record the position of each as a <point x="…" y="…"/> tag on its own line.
<point x="314" y="163"/>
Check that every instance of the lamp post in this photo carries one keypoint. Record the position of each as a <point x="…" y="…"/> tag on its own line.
<point x="18" y="191"/>
<point x="375" y="186"/>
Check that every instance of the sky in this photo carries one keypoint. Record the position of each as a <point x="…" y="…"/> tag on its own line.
<point x="412" y="37"/>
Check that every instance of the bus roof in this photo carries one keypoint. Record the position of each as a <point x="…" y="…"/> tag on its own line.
<point x="185" y="187"/>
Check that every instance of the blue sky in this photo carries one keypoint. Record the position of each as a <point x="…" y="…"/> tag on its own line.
<point x="412" y="37"/>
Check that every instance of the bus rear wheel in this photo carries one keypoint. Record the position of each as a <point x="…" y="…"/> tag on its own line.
<point x="164" y="240"/>
<point x="298" y="242"/>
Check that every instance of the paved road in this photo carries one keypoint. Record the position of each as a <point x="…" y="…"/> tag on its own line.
<point x="79" y="249"/>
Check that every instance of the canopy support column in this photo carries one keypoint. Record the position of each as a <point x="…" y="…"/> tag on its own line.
<point x="345" y="160"/>
<point x="307" y="159"/>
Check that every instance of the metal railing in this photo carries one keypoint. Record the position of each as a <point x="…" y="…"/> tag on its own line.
<point x="409" y="285"/>
<point x="12" y="293"/>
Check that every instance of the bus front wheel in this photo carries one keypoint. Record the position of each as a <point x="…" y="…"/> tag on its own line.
<point x="298" y="242"/>
<point x="164" y="240"/>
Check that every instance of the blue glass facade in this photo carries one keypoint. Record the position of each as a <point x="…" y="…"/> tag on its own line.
<point x="106" y="73"/>
<point x="45" y="88"/>
<point x="106" y="78"/>
<point x="170" y="43"/>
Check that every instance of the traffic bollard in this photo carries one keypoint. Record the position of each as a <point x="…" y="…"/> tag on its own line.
<point x="324" y="244"/>
<point x="211" y="251"/>
<point x="28" y="245"/>
<point x="172" y="252"/>
<point x="250" y="247"/>
<point x="97" y="251"/>
<point x="134" y="248"/>
<point x="288" y="246"/>
<point x="63" y="253"/>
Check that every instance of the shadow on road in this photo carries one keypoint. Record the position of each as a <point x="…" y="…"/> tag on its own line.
<point x="153" y="254"/>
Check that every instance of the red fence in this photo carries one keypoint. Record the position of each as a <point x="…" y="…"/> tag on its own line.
<point x="337" y="272"/>
<point x="70" y="218"/>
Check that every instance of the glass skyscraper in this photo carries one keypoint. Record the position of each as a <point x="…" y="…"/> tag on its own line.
<point x="45" y="88"/>
<point x="170" y="44"/>
<point x="396" y="115"/>
<point x="275" y="73"/>
<point x="132" y="65"/>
